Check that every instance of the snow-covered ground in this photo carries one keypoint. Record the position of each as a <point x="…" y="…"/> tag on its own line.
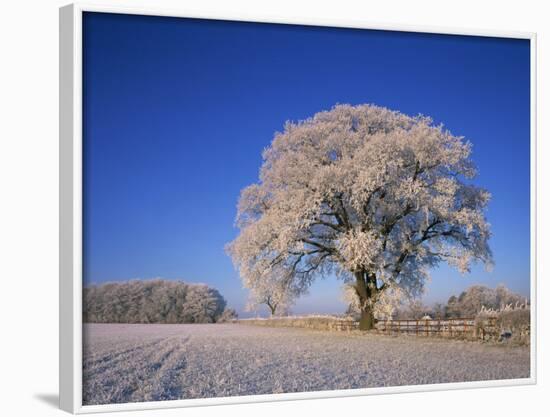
<point x="150" y="362"/>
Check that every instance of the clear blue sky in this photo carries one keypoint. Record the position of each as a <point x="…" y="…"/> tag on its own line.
<point x="177" y="112"/>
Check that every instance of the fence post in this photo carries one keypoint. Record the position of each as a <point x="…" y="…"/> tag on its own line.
<point x="427" y="329"/>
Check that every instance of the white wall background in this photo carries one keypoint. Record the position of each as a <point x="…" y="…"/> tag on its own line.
<point x="29" y="195"/>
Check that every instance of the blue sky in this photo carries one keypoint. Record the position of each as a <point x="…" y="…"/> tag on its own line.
<point x="177" y="113"/>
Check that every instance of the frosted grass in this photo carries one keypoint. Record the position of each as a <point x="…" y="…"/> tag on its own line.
<point x="152" y="362"/>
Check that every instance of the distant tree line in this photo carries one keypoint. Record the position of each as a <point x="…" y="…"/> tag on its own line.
<point x="468" y="304"/>
<point x="154" y="301"/>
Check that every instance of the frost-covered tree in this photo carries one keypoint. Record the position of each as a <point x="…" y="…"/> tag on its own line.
<point x="375" y="196"/>
<point x="228" y="315"/>
<point x="278" y="293"/>
<point x="151" y="301"/>
<point x="477" y="297"/>
<point x="276" y="302"/>
<point x="204" y="304"/>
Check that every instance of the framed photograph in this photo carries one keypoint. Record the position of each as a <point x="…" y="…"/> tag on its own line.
<point x="260" y="209"/>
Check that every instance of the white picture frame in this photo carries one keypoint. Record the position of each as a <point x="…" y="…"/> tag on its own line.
<point x="70" y="154"/>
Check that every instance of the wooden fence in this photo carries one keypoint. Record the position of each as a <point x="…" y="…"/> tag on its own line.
<point x="456" y="327"/>
<point x="346" y="325"/>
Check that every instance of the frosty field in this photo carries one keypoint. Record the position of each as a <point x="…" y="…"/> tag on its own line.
<point x="151" y="362"/>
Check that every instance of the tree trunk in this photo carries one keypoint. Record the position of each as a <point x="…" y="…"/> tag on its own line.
<point x="366" y="322"/>
<point x="272" y="309"/>
<point x="365" y="293"/>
